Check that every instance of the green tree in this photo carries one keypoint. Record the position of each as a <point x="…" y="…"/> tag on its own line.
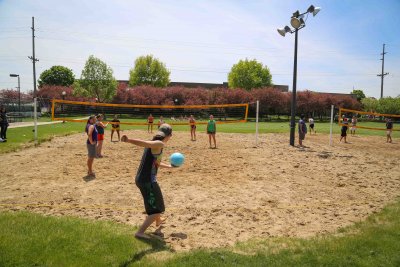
<point x="249" y="74"/>
<point x="96" y="81"/>
<point x="359" y="93"/>
<point x="57" y="75"/>
<point x="149" y="71"/>
<point x="370" y="104"/>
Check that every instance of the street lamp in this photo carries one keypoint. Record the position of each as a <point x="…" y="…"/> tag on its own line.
<point x="297" y="21"/>
<point x="19" y="92"/>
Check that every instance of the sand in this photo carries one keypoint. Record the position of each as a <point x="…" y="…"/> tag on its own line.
<point x="220" y="196"/>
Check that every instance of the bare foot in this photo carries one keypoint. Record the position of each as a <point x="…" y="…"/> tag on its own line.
<point x="142" y="236"/>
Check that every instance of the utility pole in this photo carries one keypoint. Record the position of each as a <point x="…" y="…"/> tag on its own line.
<point x="34" y="59"/>
<point x="383" y="67"/>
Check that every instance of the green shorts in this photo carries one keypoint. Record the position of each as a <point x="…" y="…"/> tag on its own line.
<point x="152" y="197"/>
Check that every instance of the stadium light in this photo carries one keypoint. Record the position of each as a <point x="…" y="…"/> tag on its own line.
<point x="19" y="92"/>
<point x="297" y="22"/>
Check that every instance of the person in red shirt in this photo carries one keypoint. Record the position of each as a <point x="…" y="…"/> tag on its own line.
<point x="150" y="121"/>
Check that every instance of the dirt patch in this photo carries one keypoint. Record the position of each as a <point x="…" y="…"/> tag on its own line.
<point x="220" y="196"/>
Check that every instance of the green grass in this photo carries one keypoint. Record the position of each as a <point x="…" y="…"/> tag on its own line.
<point x="22" y="137"/>
<point x="34" y="240"/>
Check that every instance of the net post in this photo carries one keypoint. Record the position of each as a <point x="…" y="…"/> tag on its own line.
<point x="330" y="135"/>
<point x="52" y="109"/>
<point x="257" y="110"/>
<point x="35" y="119"/>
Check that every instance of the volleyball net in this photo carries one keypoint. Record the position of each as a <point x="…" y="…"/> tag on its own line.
<point x="74" y="111"/>
<point x="366" y="120"/>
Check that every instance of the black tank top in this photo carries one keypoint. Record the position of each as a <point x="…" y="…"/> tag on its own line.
<point x="147" y="172"/>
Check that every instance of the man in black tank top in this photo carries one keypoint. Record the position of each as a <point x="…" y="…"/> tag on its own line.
<point x="146" y="177"/>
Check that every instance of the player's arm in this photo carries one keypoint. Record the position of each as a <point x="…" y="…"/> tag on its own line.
<point x="150" y="144"/>
<point x="90" y="132"/>
<point x="165" y="165"/>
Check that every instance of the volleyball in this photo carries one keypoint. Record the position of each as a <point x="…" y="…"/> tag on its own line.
<point x="176" y="159"/>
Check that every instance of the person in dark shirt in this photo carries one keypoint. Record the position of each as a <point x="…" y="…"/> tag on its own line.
<point x="3" y="123"/>
<point x="100" y="136"/>
<point x="146" y="177"/>
<point x="115" y="127"/>
<point x="302" y="130"/>
<point x="389" y="129"/>
<point x="91" y="143"/>
<point x="344" y="129"/>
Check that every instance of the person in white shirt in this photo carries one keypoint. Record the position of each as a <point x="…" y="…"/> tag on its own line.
<point x="311" y="123"/>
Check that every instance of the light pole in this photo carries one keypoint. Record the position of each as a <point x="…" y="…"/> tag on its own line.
<point x="297" y="22"/>
<point x="19" y="92"/>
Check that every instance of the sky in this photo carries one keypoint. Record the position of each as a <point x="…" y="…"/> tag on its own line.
<point x="199" y="41"/>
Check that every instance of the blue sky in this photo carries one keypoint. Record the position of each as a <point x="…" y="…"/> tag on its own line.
<point x="199" y="41"/>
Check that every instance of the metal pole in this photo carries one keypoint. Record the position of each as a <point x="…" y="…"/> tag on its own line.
<point x="35" y="120"/>
<point x="383" y="68"/>
<point x="293" y="107"/>
<point x="33" y="57"/>
<point x="330" y="139"/>
<point x="34" y="79"/>
<point x="19" y="97"/>
<point x="257" y="109"/>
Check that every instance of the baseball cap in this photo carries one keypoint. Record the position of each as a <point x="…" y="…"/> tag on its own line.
<point x="165" y="130"/>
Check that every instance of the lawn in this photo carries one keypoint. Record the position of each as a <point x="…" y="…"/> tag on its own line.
<point x="23" y="137"/>
<point x="35" y="240"/>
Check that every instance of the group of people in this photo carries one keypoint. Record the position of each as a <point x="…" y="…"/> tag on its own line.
<point x="95" y="133"/>
<point x="353" y="124"/>
<point x="211" y="128"/>
<point x="346" y="123"/>
<point x="3" y="124"/>
<point x="146" y="177"/>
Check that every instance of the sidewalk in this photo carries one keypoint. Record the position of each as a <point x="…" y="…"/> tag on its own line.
<point x="30" y="123"/>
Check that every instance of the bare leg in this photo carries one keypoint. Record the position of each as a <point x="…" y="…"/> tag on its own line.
<point x="194" y="132"/>
<point x="209" y="139"/>
<point x="99" y="147"/>
<point x="119" y="138"/>
<point x="112" y="133"/>
<point x="90" y="165"/>
<point x="147" y="222"/>
<point x="215" y="142"/>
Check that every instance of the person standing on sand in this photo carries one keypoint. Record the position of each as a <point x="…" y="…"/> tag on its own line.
<point x="302" y="130"/>
<point x="389" y="129"/>
<point x="192" y="123"/>
<point x="146" y="177"/>
<point x="344" y="129"/>
<point x="211" y="131"/>
<point x="115" y="127"/>
<point x="150" y="121"/>
<point x="91" y="143"/>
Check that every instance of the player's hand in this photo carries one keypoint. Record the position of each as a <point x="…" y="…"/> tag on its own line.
<point x="124" y="138"/>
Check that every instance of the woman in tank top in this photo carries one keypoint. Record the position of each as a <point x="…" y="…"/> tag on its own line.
<point x="146" y="177"/>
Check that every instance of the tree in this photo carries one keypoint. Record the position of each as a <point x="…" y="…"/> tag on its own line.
<point x="149" y="71"/>
<point x="359" y="93"/>
<point x="57" y="75"/>
<point x="96" y="81"/>
<point x="370" y="104"/>
<point x="249" y="74"/>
